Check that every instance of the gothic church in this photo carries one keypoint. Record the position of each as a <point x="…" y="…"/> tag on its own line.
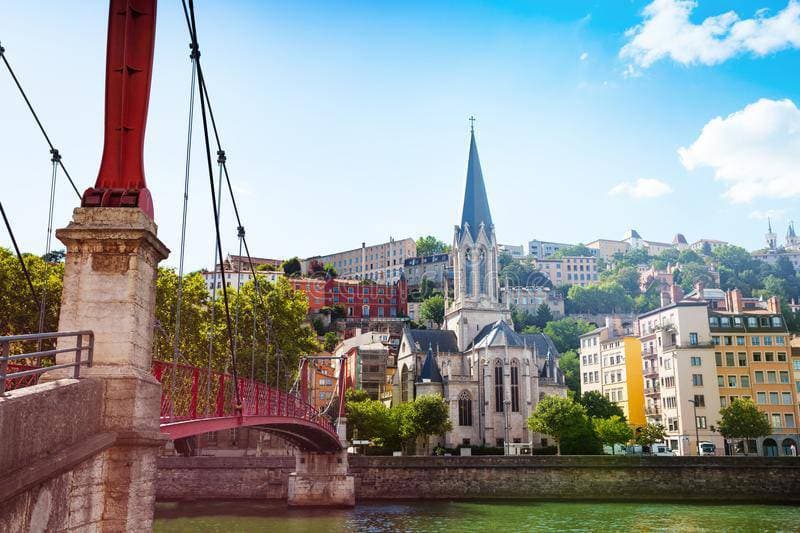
<point x="491" y="377"/>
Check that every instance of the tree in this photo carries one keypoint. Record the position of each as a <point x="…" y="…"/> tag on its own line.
<point x="581" y="440"/>
<point x="330" y="341"/>
<point x="371" y="420"/>
<point x="557" y="417"/>
<point x="430" y="245"/>
<point x="576" y="250"/>
<point x="742" y="420"/>
<point x="650" y="434"/>
<point x="504" y="260"/>
<point x="607" y="297"/>
<point x="566" y="333"/>
<point x="428" y="415"/>
<point x="291" y="267"/>
<point x="433" y="309"/>
<point x="543" y="315"/>
<point x="521" y="318"/>
<point x="613" y="430"/>
<point x="570" y="365"/>
<point x="690" y="256"/>
<point x="330" y="270"/>
<point x="691" y="273"/>
<point x="315" y="267"/>
<point x="598" y="406"/>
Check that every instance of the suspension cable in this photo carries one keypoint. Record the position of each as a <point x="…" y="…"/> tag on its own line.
<point x="19" y="256"/>
<point x="36" y="118"/>
<point x="196" y="48"/>
<point x="240" y="234"/>
<point x="179" y="299"/>
<point x="55" y="158"/>
<point x="213" y="334"/>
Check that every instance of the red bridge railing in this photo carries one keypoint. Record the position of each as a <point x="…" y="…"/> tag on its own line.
<point x="191" y="393"/>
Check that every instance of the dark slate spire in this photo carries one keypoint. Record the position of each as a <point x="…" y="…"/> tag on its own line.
<point x="430" y="371"/>
<point x="476" y="204"/>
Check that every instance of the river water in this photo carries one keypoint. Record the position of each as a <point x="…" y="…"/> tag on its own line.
<point x="491" y="516"/>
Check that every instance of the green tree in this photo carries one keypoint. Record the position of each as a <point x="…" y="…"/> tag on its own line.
<point x="371" y="420"/>
<point x="566" y="333"/>
<point x="691" y="273"/>
<point x="543" y="315"/>
<point x="650" y="434"/>
<point x="521" y="318"/>
<point x="581" y="440"/>
<point x="291" y="267"/>
<point x="428" y="415"/>
<point x="431" y="245"/>
<point x="433" y="309"/>
<point x="570" y="365"/>
<point x="706" y="249"/>
<point x="330" y="270"/>
<point x="504" y="260"/>
<point x="742" y="420"/>
<point x="576" y="250"/>
<point x="557" y="417"/>
<point x="613" y="430"/>
<point x="690" y="256"/>
<point x="330" y="341"/>
<point x="598" y="406"/>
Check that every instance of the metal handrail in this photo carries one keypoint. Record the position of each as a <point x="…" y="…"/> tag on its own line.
<point x="6" y="358"/>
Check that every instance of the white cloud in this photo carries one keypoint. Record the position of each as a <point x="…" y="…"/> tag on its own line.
<point x="584" y="56"/>
<point x="773" y="214"/>
<point x="756" y="151"/>
<point x="641" y="188"/>
<point x="667" y="32"/>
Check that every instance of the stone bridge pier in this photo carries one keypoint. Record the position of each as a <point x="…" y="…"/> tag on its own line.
<point x="86" y="449"/>
<point x="321" y="480"/>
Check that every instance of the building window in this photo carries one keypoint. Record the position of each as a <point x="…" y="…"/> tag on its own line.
<point x="771" y="376"/>
<point x="498" y="386"/>
<point x="482" y="271"/>
<point x="464" y="409"/>
<point x="699" y="400"/>
<point x="786" y="398"/>
<point x="789" y="420"/>
<point x="718" y="358"/>
<point x="773" y="398"/>
<point x="740" y="340"/>
<point x="761" y="398"/>
<point x="759" y="376"/>
<point x="784" y="377"/>
<point x="776" y="420"/>
<point x="405" y="382"/>
<point x="756" y="357"/>
<point x="729" y="358"/>
<point x="468" y="271"/>
<point x="696" y="361"/>
<point x="742" y="359"/>
<point x="701" y="422"/>
<point x="697" y="380"/>
<point x="781" y="357"/>
<point x="693" y="339"/>
<point x="744" y="381"/>
<point x="731" y="381"/>
<point x="514" y="386"/>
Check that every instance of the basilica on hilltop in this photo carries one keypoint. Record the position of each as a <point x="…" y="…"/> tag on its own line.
<point x="491" y="377"/>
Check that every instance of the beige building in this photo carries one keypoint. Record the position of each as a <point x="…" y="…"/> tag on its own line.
<point x="606" y="248"/>
<point x="569" y="270"/>
<point x="611" y="364"/>
<point x="378" y="262"/>
<point x="530" y="298"/>
<point x="680" y="374"/>
<point x="698" y="245"/>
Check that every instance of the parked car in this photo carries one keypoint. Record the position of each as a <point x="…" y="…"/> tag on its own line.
<point x="708" y="448"/>
<point x="661" y="450"/>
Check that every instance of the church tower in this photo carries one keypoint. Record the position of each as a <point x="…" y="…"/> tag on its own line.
<point x="772" y="238"/>
<point x="792" y="241"/>
<point x="476" y="291"/>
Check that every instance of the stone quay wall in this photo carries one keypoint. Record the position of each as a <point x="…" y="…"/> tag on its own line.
<point x="751" y="479"/>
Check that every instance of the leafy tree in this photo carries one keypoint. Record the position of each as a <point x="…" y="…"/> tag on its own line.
<point x="607" y="297"/>
<point x="670" y="255"/>
<point x="613" y="430"/>
<point x="543" y="315"/>
<point x="598" y="406"/>
<point x="431" y="245"/>
<point x="577" y="250"/>
<point x="650" y="434"/>
<point x="521" y="318"/>
<point x="570" y="365"/>
<point x="371" y="420"/>
<point x="689" y="256"/>
<point x="557" y="417"/>
<point x="424" y="290"/>
<point x="634" y="258"/>
<point x="627" y="277"/>
<point x="504" y="260"/>
<point x="433" y="309"/>
<point x="19" y="310"/>
<point x="648" y="300"/>
<point x="522" y="274"/>
<point x="330" y="341"/>
<point x="291" y="267"/>
<point x="355" y="395"/>
<point x="581" y="440"/>
<point x="742" y="420"/>
<point x="330" y="270"/>
<point x="428" y="415"/>
<point x="566" y="333"/>
<point x="691" y="273"/>
<point x="707" y="249"/>
<point x="315" y="266"/>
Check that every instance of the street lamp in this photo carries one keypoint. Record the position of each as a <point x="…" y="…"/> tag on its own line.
<point x="506" y="407"/>
<point x="696" y="429"/>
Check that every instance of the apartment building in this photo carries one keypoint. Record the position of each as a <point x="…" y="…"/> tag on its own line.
<point x="516" y="251"/>
<point x="530" y="298"/>
<point x="581" y="270"/>
<point x="680" y="374"/>
<point x="360" y="300"/>
<point x="611" y="364"/>
<point x="754" y="360"/>
<point x="607" y="248"/>
<point x="378" y="262"/>
<point x="323" y="386"/>
<point x="433" y="268"/>
<point x="544" y="249"/>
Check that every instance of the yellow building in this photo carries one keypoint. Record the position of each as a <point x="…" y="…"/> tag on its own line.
<point x="611" y="364"/>
<point x="569" y="270"/>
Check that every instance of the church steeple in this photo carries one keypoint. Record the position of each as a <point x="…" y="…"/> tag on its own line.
<point x="772" y="239"/>
<point x="476" y="204"/>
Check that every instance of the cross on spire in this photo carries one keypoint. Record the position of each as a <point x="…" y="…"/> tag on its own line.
<point x="471" y="123"/>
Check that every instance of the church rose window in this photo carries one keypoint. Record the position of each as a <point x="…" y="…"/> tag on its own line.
<point x="464" y="409"/>
<point x="514" y="386"/>
<point x="498" y="386"/>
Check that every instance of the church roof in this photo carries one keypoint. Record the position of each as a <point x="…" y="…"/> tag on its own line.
<point x="476" y="203"/>
<point x="430" y="370"/>
<point x="441" y="340"/>
<point x="679" y="239"/>
<point x="790" y="232"/>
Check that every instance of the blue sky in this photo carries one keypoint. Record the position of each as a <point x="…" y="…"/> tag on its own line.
<point x="347" y="121"/>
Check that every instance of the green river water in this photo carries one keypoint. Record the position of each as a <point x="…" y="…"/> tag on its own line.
<point x="475" y="516"/>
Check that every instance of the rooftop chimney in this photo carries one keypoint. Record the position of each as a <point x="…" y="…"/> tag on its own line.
<point x="773" y="305"/>
<point x="699" y="286"/>
<point x="737" y="303"/>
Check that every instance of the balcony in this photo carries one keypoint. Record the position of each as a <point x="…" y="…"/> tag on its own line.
<point x="650" y="372"/>
<point x="652" y="411"/>
<point x="652" y="391"/>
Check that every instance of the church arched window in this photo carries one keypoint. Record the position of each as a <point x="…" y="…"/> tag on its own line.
<point x="405" y="380"/>
<point x="498" y="386"/>
<point x="515" y="386"/>
<point x="468" y="271"/>
<point x="464" y="409"/>
<point x="482" y="270"/>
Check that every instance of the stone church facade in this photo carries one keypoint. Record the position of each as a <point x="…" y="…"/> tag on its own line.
<point x="491" y="377"/>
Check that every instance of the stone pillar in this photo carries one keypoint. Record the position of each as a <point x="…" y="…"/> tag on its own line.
<point x="109" y="288"/>
<point x="321" y="480"/>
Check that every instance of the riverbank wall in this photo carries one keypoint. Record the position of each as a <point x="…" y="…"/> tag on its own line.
<point x="621" y="478"/>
